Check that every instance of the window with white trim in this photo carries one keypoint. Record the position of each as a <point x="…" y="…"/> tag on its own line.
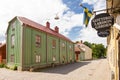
<point x="63" y="45"/>
<point x="37" y="58"/>
<point x="37" y="40"/>
<point x="70" y="47"/>
<point x="53" y="43"/>
<point x="12" y="40"/>
<point x="12" y="58"/>
<point x="13" y="26"/>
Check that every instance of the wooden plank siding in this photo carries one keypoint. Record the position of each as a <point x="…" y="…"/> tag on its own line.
<point x="14" y="50"/>
<point x="52" y="52"/>
<point x="27" y="53"/>
<point x="70" y="52"/>
<point x="3" y="53"/>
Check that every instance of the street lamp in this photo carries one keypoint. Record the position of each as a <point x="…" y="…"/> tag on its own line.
<point x="56" y="17"/>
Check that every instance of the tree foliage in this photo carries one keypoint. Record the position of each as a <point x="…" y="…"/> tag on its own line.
<point x="98" y="50"/>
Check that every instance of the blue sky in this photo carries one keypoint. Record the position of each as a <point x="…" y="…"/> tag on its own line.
<point x="70" y="13"/>
<point x="73" y="6"/>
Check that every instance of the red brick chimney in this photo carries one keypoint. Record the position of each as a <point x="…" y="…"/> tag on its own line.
<point x="47" y="24"/>
<point x="81" y="41"/>
<point x="56" y="29"/>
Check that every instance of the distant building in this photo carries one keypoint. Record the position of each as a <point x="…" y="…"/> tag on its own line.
<point x="32" y="45"/>
<point x="82" y="51"/>
<point x="3" y="53"/>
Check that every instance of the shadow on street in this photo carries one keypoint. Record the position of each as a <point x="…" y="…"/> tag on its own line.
<point x="63" y="69"/>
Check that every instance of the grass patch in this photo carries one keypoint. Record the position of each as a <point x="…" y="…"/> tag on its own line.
<point x="2" y="65"/>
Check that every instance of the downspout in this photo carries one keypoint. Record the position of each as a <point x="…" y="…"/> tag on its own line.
<point x="59" y="51"/>
<point x="46" y="48"/>
<point x="66" y="52"/>
<point x="22" y="49"/>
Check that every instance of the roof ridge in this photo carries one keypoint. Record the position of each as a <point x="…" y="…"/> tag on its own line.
<point x="38" y="26"/>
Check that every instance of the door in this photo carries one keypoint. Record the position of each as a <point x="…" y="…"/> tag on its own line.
<point x="0" y="57"/>
<point x="76" y="57"/>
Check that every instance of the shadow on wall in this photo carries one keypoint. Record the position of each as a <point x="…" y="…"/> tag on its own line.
<point x="63" y="69"/>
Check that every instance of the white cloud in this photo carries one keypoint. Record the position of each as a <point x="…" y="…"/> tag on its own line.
<point x="36" y="10"/>
<point x="91" y="2"/>
<point x="97" y="4"/>
<point x="67" y="22"/>
<point x="45" y="10"/>
<point x="89" y="34"/>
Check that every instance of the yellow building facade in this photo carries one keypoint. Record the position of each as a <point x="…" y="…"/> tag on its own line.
<point x="113" y="40"/>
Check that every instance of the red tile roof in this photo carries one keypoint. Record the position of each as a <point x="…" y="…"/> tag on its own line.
<point x="40" y="27"/>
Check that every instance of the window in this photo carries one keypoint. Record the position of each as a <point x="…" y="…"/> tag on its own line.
<point x="70" y="47"/>
<point x="11" y="58"/>
<point x="12" y="40"/>
<point x="38" y="40"/>
<point x="54" y="59"/>
<point x="37" y="58"/>
<point x="53" y="43"/>
<point x="13" y="26"/>
<point x="63" y="45"/>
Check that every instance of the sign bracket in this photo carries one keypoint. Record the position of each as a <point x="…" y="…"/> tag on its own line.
<point x="118" y="8"/>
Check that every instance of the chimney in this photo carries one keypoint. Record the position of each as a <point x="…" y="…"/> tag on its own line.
<point x="56" y="29"/>
<point x="47" y="24"/>
<point x="81" y="41"/>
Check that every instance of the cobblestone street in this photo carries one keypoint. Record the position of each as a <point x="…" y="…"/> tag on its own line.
<point x="85" y="70"/>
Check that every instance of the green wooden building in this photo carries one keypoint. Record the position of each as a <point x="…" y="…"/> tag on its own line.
<point x="31" y="45"/>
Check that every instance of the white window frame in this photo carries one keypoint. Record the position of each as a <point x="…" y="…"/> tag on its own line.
<point x="12" y="40"/>
<point x="37" y="40"/>
<point x="13" y="26"/>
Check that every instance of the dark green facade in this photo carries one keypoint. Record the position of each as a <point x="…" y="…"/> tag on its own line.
<point x="26" y="53"/>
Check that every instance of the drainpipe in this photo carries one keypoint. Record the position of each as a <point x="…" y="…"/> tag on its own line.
<point x="46" y="48"/>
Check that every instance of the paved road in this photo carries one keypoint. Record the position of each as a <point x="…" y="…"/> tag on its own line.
<point x="86" y="70"/>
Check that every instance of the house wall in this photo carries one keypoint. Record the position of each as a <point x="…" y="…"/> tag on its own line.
<point x="70" y="52"/>
<point x="52" y="52"/>
<point x="3" y="54"/>
<point x="0" y="56"/>
<point x="27" y="55"/>
<point x="30" y="51"/>
<point x="46" y="49"/>
<point x="82" y="56"/>
<point x="112" y="52"/>
<point x="112" y="41"/>
<point x="88" y="53"/>
<point x="63" y="51"/>
<point x="16" y="49"/>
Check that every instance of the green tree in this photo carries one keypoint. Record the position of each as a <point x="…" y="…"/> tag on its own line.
<point x="98" y="50"/>
<point x="88" y="44"/>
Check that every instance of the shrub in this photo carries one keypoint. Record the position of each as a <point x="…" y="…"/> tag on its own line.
<point x="2" y="65"/>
